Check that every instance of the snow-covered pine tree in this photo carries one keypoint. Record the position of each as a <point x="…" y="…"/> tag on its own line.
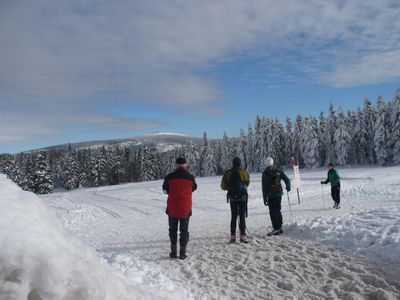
<point x="98" y="173"/>
<point x="259" y="144"/>
<point x="43" y="176"/>
<point x="309" y="143"/>
<point x="381" y="133"/>
<point x="116" y="168"/>
<point x="251" y="162"/>
<point x="29" y="174"/>
<point x="298" y="128"/>
<point x="369" y="115"/>
<point x="331" y="126"/>
<point x="395" y="126"/>
<point x="208" y="164"/>
<point x="83" y="157"/>
<point x="148" y="165"/>
<point x="289" y="148"/>
<point x="342" y="139"/>
<point x="70" y="170"/>
<point x="242" y="148"/>
<point x="321" y="139"/>
<point x="15" y="172"/>
<point x="7" y="165"/>
<point x="279" y="144"/>
<point x="351" y="123"/>
<point x="359" y="139"/>
<point x="192" y="158"/>
<point x="225" y="153"/>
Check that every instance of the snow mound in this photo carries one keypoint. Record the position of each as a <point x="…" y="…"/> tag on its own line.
<point x="40" y="260"/>
<point x="374" y="233"/>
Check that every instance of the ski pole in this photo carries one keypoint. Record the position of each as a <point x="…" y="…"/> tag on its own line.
<point x="290" y="208"/>
<point x="323" y="197"/>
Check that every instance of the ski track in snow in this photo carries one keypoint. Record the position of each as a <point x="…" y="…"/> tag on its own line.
<point x="323" y="254"/>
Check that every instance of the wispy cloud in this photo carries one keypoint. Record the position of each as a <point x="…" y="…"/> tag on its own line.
<point x="56" y="54"/>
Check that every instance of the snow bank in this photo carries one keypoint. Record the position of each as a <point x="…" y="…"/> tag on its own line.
<point x="40" y="260"/>
<point x="374" y="233"/>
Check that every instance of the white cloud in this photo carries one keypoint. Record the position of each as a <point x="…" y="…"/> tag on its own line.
<point x="370" y="69"/>
<point x="57" y="53"/>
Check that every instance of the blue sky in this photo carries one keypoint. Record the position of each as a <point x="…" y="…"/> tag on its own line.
<point x="86" y="70"/>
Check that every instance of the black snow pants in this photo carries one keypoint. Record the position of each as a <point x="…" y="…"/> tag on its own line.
<point x="274" y="204"/>
<point x="335" y="193"/>
<point x="183" y="228"/>
<point x="238" y="208"/>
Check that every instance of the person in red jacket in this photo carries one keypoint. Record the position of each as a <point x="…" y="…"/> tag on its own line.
<point x="179" y="186"/>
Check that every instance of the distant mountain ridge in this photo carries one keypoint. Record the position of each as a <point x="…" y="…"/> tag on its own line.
<point x="161" y="141"/>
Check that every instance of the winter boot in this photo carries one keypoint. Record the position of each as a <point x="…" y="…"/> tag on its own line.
<point x="275" y="232"/>
<point x="174" y="251"/>
<point x="182" y="253"/>
<point x="243" y="239"/>
<point x="233" y="239"/>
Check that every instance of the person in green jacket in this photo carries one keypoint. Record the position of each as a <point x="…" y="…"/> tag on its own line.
<point x="272" y="193"/>
<point x="334" y="180"/>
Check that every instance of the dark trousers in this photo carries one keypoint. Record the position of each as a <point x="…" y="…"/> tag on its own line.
<point x="335" y="193"/>
<point x="238" y="208"/>
<point x="274" y="204"/>
<point x="183" y="229"/>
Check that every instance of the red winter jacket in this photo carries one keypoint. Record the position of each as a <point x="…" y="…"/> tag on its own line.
<point x="179" y="186"/>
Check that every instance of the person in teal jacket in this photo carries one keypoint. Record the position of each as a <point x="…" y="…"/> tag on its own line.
<point x="334" y="180"/>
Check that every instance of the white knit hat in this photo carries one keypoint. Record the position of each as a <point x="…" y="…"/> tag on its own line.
<point x="269" y="161"/>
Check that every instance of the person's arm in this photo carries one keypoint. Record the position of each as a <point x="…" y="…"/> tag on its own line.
<point x="246" y="179"/>
<point x="326" y="181"/>
<point x="165" y="186"/>
<point x="224" y="184"/>
<point x="194" y="187"/>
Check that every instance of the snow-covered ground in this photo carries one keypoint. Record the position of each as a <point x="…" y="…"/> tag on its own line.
<point x="324" y="253"/>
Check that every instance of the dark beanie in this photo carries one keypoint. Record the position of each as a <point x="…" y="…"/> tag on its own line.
<point x="181" y="161"/>
<point x="236" y="162"/>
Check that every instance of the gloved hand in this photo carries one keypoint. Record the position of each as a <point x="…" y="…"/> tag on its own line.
<point x="288" y="189"/>
<point x="322" y="182"/>
<point x="266" y="201"/>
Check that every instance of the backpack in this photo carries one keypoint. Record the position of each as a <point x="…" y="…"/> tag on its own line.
<point x="274" y="182"/>
<point x="236" y="186"/>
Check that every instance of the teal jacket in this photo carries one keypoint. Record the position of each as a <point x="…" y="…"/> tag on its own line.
<point x="333" y="178"/>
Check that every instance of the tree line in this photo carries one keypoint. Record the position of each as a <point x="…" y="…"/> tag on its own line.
<point x="369" y="135"/>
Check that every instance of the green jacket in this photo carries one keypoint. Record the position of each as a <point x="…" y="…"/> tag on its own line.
<point x="268" y="180"/>
<point x="333" y="178"/>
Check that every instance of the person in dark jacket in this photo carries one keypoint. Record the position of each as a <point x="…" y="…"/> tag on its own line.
<point x="235" y="181"/>
<point x="334" y="180"/>
<point x="179" y="186"/>
<point x="272" y="194"/>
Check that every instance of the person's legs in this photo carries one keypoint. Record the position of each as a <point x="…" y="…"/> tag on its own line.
<point x="336" y="194"/>
<point x="242" y="219"/>
<point x="234" y="215"/>
<point x="184" y="232"/>
<point x="173" y="235"/>
<point x="279" y="219"/>
<point x="275" y="212"/>
<point x="183" y="237"/>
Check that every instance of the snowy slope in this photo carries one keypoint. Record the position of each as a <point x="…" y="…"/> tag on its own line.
<point x="40" y="260"/>
<point x="350" y="253"/>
